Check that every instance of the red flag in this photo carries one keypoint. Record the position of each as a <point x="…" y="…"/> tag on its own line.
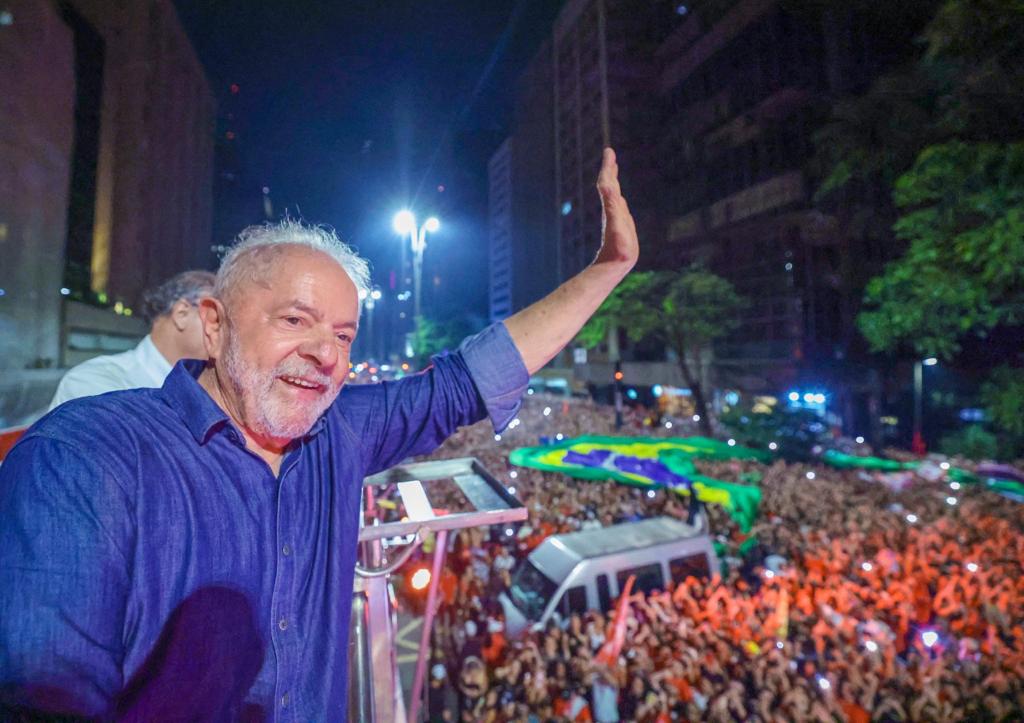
<point x="609" y="653"/>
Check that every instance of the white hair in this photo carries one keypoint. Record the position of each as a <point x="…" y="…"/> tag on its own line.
<point x="258" y="246"/>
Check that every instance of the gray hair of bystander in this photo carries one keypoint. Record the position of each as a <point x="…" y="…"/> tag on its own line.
<point x="257" y="248"/>
<point x="189" y="286"/>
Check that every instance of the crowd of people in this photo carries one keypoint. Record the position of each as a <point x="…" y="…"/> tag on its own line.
<point x="888" y="605"/>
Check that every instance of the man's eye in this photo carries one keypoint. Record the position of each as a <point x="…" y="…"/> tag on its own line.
<point x="292" y="320"/>
<point x="345" y="338"/>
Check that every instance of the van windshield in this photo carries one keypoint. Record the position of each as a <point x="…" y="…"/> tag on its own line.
<point x="531" y="590"/>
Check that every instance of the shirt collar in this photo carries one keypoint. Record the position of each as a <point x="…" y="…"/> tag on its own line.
<point x="152" y="361"/>
<point x="196" y="407"/>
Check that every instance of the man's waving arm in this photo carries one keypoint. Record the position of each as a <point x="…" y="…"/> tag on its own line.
<point x="541" y="330"/>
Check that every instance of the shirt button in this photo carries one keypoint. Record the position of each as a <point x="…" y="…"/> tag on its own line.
<point x="286" y="550"/>
<point x="284" y="700"/>
<point x="282" y="623"/>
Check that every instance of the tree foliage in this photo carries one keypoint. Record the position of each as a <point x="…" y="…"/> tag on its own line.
<point x="433" y="336"/>
<point x="1003" y="398"/>
<point x="684" y="310"/>
<point x="933" y="151"/>
<point x="963" y="273"/>
<point x="974" y="442"/>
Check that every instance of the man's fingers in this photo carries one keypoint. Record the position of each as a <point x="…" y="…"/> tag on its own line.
<point x="608" y="178"/>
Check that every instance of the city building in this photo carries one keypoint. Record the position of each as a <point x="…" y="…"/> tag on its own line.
<point x="743" y="87"/>
<point x="603" y="81"/>
<point x="499" y="231"/>
<point x="713" y="106"/>
<point x="523" y="261"/>
<point x="106" y="131"/>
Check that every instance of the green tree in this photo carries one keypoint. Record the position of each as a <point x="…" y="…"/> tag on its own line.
<point x="685" y="310"/>
<point x="962" y="217"/>
<point x="973" y="442"/>
<point x="933" y="152"/>
<point x="433" y="336"/>
<point x="1003" y="398"/>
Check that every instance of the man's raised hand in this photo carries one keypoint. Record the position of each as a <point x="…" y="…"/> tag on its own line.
<point x="543" y="328"/>
<point x="619" y="243"/>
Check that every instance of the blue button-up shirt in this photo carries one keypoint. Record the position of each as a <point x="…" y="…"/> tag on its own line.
<point x="151" y="567"/>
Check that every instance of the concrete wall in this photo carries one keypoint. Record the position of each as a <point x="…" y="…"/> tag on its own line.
<point x="36" y="131"/>
<point x="88" y="331"/>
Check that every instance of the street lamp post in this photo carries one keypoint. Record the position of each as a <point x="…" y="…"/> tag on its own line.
<point x="917" y="445"/>
<point x="405" y="225"/>
<point x="369" y="303"/>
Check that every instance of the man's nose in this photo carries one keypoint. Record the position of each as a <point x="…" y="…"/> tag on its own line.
<point x="321" y="348"/>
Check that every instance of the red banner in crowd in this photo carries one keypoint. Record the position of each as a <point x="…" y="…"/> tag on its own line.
<point x="609" y="653"/>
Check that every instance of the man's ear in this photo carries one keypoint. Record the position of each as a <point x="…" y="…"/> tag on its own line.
<point x="214" y="319"/>
<point x="180" y="313"/>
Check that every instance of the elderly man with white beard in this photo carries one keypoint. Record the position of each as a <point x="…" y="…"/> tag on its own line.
<point x="188" y="552"/>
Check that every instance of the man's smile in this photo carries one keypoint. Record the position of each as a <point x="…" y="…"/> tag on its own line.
<point x="302" y="383"/>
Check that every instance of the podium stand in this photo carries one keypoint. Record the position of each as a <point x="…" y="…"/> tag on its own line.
<point x="375" y="691"/>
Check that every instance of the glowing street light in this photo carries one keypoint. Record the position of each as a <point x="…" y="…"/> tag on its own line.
<point x="404" y="224"/>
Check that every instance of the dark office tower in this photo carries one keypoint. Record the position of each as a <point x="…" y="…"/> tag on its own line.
<point x="499" y="232"/>
<point x="523" y="263"/>
<point x="604" y="78"/>
<point x="744" y="86"/>
<point x="534" y="206"/>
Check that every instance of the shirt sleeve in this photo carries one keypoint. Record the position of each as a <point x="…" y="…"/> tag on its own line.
<point x="412" y="416"/>
<point x="498" y="372"/>
<point x="66" y="540"/>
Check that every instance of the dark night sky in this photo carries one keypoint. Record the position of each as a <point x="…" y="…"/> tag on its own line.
<point x="349" y="111"/>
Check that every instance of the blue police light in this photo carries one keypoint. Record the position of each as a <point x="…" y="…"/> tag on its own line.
<point x="657" y="390"/>
<point x="631" y="393"/>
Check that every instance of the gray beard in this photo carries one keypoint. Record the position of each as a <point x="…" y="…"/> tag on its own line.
<point x="263" y="411"/>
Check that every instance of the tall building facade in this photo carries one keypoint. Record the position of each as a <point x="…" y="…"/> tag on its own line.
<point x="743" y="87"/>
<point x="713" y="106"/>
<point x="108" y="121"/>
<point x="524" y="255"/>
<point x="499" y="231"/>
<point x="603" y="78"/>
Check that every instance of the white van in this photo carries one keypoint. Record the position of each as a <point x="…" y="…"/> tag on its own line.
<point x="582" y="571"/>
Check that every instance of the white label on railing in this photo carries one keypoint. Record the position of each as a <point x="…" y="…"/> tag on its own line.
<point x="417" y="506"/>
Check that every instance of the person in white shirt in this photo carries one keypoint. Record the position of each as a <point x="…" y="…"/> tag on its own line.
<point x="175" y="333"/>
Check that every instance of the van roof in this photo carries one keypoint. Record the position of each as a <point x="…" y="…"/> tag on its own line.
<point x="551" y="558"/>
<point x="627" y="536"/>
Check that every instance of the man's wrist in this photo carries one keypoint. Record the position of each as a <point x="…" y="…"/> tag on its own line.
<point x="615" y="258"/>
